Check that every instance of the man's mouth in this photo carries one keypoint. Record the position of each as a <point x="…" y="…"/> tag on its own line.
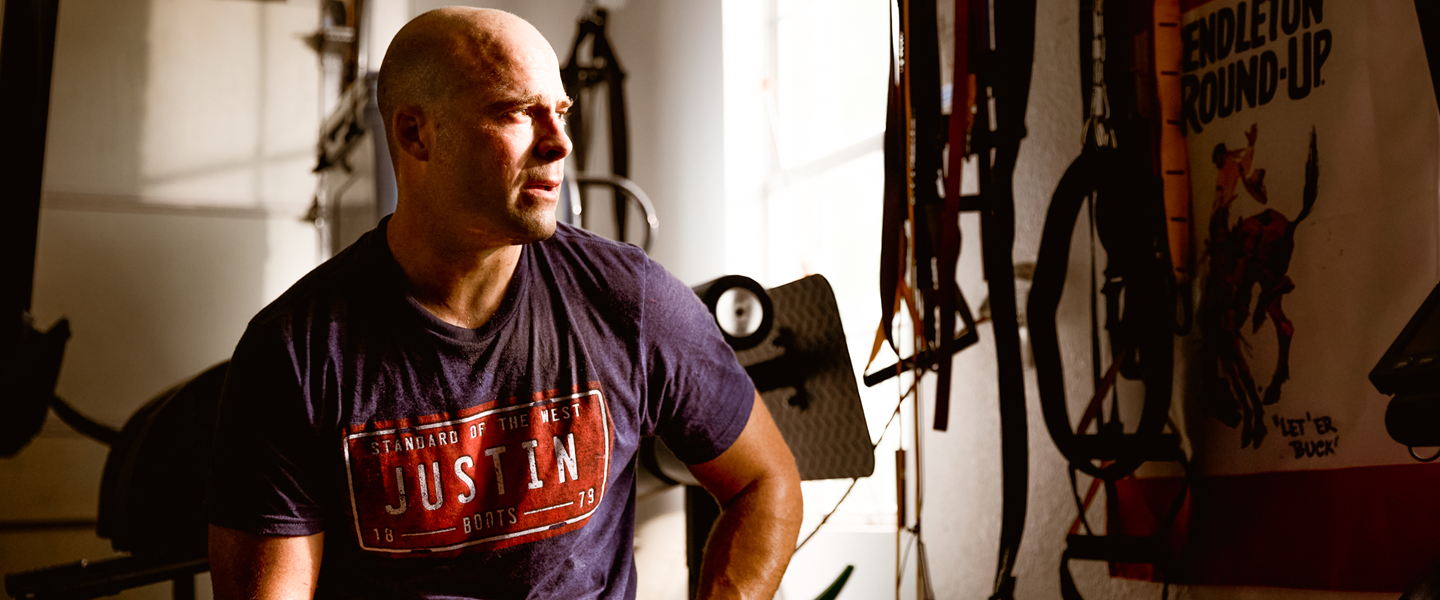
<point x="544" y="185"/>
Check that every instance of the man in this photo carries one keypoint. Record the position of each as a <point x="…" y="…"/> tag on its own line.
<point x="450" y="408"/>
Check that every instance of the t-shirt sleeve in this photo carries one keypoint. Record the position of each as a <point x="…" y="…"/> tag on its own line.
<point x="264" y="475"/>
<point x="699" y="398"/>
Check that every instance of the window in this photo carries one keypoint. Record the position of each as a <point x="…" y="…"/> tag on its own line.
<point x="804" y="120"/>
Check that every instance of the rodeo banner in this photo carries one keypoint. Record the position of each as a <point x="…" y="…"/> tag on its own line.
<point x="1311" y="128"/>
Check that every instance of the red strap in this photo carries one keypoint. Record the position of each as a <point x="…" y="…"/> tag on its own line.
<point x="949" y="253"/>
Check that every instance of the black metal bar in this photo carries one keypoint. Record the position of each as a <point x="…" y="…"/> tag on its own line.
<point x="701" y="511"/>
<point x="925" y="359"/>
<point x="85" y="579"/>
<point x="23" y="525"/>
<point x="1428" y="13"/>
<point x="1115" y="548"/>
<point x="184" y="588"/>
<point x="27" y="53"/>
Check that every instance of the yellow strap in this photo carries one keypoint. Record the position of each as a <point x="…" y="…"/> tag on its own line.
<point x="1174" y="164"/>
<point x="879" y="342"/>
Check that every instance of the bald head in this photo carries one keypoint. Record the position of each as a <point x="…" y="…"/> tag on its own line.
<point x="474" y="112"/>
<point x="446" y="52"/>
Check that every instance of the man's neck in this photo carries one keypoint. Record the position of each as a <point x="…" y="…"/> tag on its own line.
<point x="457" y="279"/>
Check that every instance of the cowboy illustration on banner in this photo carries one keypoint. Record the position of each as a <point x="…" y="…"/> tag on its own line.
<point x="1253" y="252"/>
<point x="1302" y="281"/>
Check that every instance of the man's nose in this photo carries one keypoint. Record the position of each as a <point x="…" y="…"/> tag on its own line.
<point x="554" y="143"/>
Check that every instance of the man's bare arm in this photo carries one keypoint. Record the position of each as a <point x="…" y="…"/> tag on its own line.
<point x="758" y="488"/>
<point x="246" y="566"/>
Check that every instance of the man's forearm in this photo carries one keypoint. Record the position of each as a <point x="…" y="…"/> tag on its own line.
<point x="752" y="541"/>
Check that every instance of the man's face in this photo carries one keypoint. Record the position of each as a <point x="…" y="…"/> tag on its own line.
<point x="501" y="144"/>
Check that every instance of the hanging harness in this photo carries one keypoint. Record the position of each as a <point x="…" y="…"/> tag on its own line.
<point x="912" y="196"/>
<point x="581" y="82"/>
<point x="1001" y="71"/>
<point x="1128" y="201"/>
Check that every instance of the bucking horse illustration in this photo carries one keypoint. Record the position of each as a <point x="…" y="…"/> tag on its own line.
<point x="1253" y="253"/>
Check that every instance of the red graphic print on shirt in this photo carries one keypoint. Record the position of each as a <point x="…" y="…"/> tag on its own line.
<point x="483" y="478"/>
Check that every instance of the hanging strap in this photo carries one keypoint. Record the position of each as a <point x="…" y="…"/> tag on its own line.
<point x="934" y="233"/>
<point x="1005" y="72"/>
<point x="949" y="254"/>
<point x="1147" y="335"/>
<point x="922" y="87"/>
<point x="1174" y="161"/>
<point x="893" y="253"/>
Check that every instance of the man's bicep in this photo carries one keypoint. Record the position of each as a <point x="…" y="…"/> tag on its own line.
<point x="759" y="454"/>
<point x="267" y="460"/>
<point x="245" y="565"/>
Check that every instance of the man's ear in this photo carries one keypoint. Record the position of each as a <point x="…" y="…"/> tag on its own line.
<point x="413" y="132"/>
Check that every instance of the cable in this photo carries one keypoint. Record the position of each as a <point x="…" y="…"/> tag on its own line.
<point x="854" y="480"/>
<point x="923" y="571"/>
<point x="905" y="558"/>
<point x="1080" y="505"/>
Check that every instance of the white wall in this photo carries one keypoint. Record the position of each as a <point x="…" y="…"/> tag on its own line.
<point x="178" y="164"/>
<point x="177" y="170"/>
<point x="671" y="54"/>
<point x="962" y="466"/>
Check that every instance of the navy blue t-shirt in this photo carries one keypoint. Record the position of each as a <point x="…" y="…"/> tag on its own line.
<point x="444" y="462"/>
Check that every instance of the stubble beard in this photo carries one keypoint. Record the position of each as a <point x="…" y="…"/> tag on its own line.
<point x="529" y="221"/>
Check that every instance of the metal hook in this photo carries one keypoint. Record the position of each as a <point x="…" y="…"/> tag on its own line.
<point x="1417" y="456"/>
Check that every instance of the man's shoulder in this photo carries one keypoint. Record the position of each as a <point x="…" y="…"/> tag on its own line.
<point x="330" y="285"/>
<point x="588" y="255"/>
<point x="572" y="237"/>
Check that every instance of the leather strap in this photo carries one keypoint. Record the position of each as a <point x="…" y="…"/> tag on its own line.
<point x="1129" y="205"/>
<point x="912" y="195"/>
<point x="949" y="223"/>
<point x="892" y="240"/>
<point x="1147" y="334"/>
<point x="1174" y="159"/>
<point x="1006" y="72"/>
<point x="922" y="81"/>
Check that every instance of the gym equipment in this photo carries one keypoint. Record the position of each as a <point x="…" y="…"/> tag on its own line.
<point x="583" y="82"/>
<point x="797" y="356"/>
<point x="151" y="501"/>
